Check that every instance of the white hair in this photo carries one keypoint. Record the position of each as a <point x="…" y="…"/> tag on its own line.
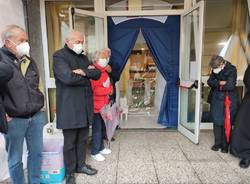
<point x="10" y="32"/>
<point x="96" y="56"/>
<point x="106" y="49"/>
<point x="70" y="34"/>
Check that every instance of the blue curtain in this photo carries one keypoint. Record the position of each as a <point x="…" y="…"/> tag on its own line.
<point x="163" y="42"/>
<point x="121" y="43"/>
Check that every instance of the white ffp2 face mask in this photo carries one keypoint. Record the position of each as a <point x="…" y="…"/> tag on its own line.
<point x="77" y="48"/>
<point x="217" y="70"/>
<point x="23" y="49"/>
<point x="103" y="62"/>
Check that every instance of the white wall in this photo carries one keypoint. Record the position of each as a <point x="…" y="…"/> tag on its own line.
<point x="11" y="12"/>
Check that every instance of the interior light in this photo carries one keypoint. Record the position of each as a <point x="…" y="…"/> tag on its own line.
<point x="62" y="15"/>
<point x="222" y="43"/>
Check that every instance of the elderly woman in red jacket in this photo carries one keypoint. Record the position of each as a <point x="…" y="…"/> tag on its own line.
<point x="102" y="89"/>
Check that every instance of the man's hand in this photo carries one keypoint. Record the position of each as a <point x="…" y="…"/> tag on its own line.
<point x="108" y="68"/>
<point x="79" y="72"/>
<point x="8" y="118"/>
<point x="222" y="83"/>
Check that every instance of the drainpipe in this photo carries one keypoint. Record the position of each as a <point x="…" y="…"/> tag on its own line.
<point x="26" y="15"/>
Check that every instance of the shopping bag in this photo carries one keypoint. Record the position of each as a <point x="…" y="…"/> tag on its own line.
<point x="111" y="117"/>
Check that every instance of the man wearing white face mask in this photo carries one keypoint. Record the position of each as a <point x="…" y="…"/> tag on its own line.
<point x="74" y="102"/>
<point x="23" y="101"/>
<point x="222" y="81"/>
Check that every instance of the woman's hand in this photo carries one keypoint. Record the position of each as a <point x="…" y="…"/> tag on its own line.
<point x="108" y="68"/>
<point x="222" y="83"/>
<point x="112" y="91"/>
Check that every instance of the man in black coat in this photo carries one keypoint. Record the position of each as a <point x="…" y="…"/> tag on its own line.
<point x="6" y="73"/>
<point x="74" y="102"/>
<point x="240" y="146"/>
<point x="222" y="81"/>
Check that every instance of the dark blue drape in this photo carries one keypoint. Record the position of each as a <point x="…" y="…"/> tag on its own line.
<point x="121" y="43"/>
<point x="163" y="42"/>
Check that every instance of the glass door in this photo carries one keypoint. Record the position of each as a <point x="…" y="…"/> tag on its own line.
<point x="93" y="26"/>
<point x="190" y="72"/>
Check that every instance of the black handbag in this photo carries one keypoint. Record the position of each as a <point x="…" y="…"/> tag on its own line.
<point x="3" y="120"/>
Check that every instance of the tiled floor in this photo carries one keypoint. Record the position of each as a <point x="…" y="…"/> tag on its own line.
<point x="166" y="157"/>
<point x="137" y="121"/>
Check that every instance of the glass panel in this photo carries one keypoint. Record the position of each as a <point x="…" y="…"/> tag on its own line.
<point x="222" y="19"/>
<point x="189" y="68"/>
<point x="187" y="109"/>
<point x="93" y="30"/>
<point x="190" y="45"/>
<point x="205" y="117"/>
<point x="57" y="22"/>
<point x="139" y="79"/>
<point x="206" y="106"/>
<point x="123" y="5"/>
<point x="52" y="103"/>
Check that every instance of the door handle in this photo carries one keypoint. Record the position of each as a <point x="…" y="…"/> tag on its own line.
<point x="194" y="85"/>
<point x="187" y="84"/>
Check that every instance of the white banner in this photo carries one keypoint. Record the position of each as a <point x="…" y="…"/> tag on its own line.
<point x="118" y="20"/>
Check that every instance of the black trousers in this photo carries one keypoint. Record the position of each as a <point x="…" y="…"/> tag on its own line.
<point x="220" y="136"/>
<point x="74" y="150"/>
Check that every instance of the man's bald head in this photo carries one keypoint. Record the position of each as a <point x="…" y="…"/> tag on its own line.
<point x="74" y="37"/>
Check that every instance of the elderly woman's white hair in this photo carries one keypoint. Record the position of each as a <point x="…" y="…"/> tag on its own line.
<point x="107" y="50"/>
<point x="96" y="56"/>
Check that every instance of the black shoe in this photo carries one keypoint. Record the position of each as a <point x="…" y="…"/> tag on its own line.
<point x="87" y="169"/>
<point x="89" y="166"/>
<point x="224" y="150"/>
<point x="70" y="179"/>
<point x="105" y="138"/>
<point x="215" y="148"/>
<point x="244" y="163"/>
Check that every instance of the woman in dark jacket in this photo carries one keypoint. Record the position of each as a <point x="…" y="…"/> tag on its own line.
<point x="240" y="146"/>
<point x="222" y="81"/>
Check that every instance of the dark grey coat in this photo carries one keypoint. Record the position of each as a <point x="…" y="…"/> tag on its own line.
<point x="228" y="74"/>
<point x="6" y="73"/>
<point x="74" y="98"/>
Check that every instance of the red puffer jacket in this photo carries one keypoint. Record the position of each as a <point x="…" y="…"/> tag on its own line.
<point x="101" y="89"/>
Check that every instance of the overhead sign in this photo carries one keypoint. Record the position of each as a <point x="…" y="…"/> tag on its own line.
<point x="118" y="20"/>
